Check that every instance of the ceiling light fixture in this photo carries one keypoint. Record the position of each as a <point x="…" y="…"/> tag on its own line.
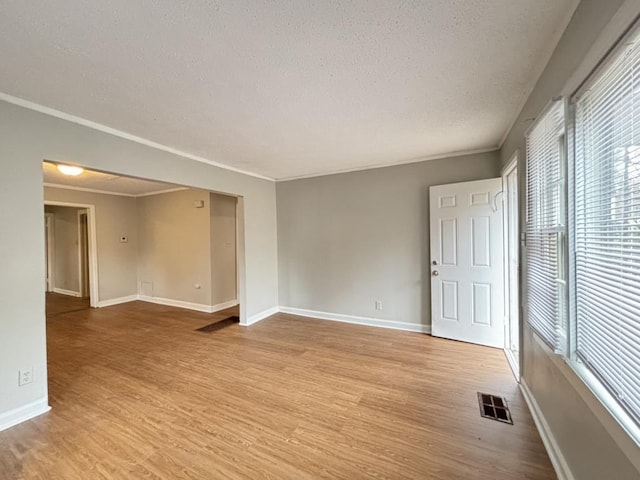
<point x="70" y="169"/>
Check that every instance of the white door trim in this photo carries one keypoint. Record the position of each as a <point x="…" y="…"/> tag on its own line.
<point x="241" y="262"/>
<point x="93" y="245"/>
<point x="514" y="362"/>
<point x="80" y="259"/>
<point x="50" y="225"/>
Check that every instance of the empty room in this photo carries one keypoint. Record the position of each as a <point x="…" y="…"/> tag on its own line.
<point x="299" y="240"/>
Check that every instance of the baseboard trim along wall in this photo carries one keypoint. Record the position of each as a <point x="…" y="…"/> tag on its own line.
<point x="260" y="316"/>
<point x="23" y="413"/>
<point x="224" y="305"/>
<point x="550" y="444"/>
<point x="169" y="302"/>
<point x="371" y="322"/>
<point x="199" y="307"/>
<point x="62" y="291"/>
<point x="117" y="301"/>
<point x="335" y="317"/>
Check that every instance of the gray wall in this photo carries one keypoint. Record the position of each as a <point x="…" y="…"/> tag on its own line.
<point x="174" y="246"/>
<point x="347" y="240"/>
<point x="223" y="249"/>
<point x="115" y="216"/>
<point x="576" y="418"/>
<point x="27" y="138"/>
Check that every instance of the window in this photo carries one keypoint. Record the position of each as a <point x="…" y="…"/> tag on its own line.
<point x="606" y="228"/>
<point x="546" y="227"/>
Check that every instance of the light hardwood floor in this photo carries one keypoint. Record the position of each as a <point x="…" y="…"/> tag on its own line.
<point x="137" y="393"/>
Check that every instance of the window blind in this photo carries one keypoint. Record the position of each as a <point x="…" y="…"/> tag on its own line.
<point x="607" y="227"/>
<point x="545" y="226"/>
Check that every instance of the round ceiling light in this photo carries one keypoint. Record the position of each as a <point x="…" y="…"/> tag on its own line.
<point x="70" y="169"/>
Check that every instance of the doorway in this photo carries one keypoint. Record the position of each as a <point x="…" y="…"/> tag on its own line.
<point x="165" y="243"/>
<point x="511" y="262"/>
<point x="71" y="256"/>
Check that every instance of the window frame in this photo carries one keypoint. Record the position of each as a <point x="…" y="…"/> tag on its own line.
<point x="559" y="345"/>
<point x="569" y="356"/>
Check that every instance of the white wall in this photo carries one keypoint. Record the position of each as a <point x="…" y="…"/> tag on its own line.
<point x="174" y="246"/>
<point x="347" y="240"/>
<point x="115" y="216"/>
<point x="28" y="138"/>
<point x="592" y="444"/>
<point x="223" y="249"/>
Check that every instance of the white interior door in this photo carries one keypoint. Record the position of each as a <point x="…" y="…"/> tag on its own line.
<point x="467" y="278"/>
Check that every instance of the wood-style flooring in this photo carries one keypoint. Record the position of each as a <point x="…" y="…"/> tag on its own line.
<point x="57" y="304"/>
<point x="138" y="394"/>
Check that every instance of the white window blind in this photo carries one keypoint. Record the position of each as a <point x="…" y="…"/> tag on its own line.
<point x="606" y="222"/>
<point x="545" y="227"/>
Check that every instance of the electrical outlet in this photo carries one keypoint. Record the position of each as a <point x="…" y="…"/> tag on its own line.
<point x="25" y="376"/>
<point x="378" y="305"/>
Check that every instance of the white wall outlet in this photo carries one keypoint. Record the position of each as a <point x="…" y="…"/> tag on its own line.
<point x="25" y="376"/>
<point x="378" y="305"/>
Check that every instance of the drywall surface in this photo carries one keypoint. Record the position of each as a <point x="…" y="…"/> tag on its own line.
<point x="115" y="217"/>
<point x="223" y="249"/>
<point x="576" y="418"/>
<point x="65" y="257"/>
<point x="174" y="253"/>
<point x="347" y="240"/>
<point x="28" y="137"/>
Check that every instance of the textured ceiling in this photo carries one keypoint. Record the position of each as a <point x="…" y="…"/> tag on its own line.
<point x="286" y="88"/>
<point x="103" y="182"/>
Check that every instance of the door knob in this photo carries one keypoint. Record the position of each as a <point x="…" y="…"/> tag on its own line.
<point x="435" y="273"/>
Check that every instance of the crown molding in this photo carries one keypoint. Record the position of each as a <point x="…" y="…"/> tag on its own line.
<point x="460" y="153"/>
<point x="119" y="133"/>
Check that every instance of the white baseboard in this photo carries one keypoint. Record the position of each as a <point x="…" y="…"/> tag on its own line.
<point x="550" y="444"/>
<point x="371" y="322"/>
<point x="260" y="316"/>
<point x="62" y="291"/>
<point x="24" y="413"/>
<point x="169" y="302"/>
<point x="176" y="303"/>
<point x="117" y="301"/>
<point x="223" y="306"/>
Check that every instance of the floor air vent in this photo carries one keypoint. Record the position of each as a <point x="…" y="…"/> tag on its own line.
<point x="213" y="327"/>
<point x="494" y="407"/>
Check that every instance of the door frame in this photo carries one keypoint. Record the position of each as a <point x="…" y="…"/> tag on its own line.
<point x="514" y="362"/>
<point x="92" y="240"/>
<point x="81" y="259"/>
<point x="50" y="246"/>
